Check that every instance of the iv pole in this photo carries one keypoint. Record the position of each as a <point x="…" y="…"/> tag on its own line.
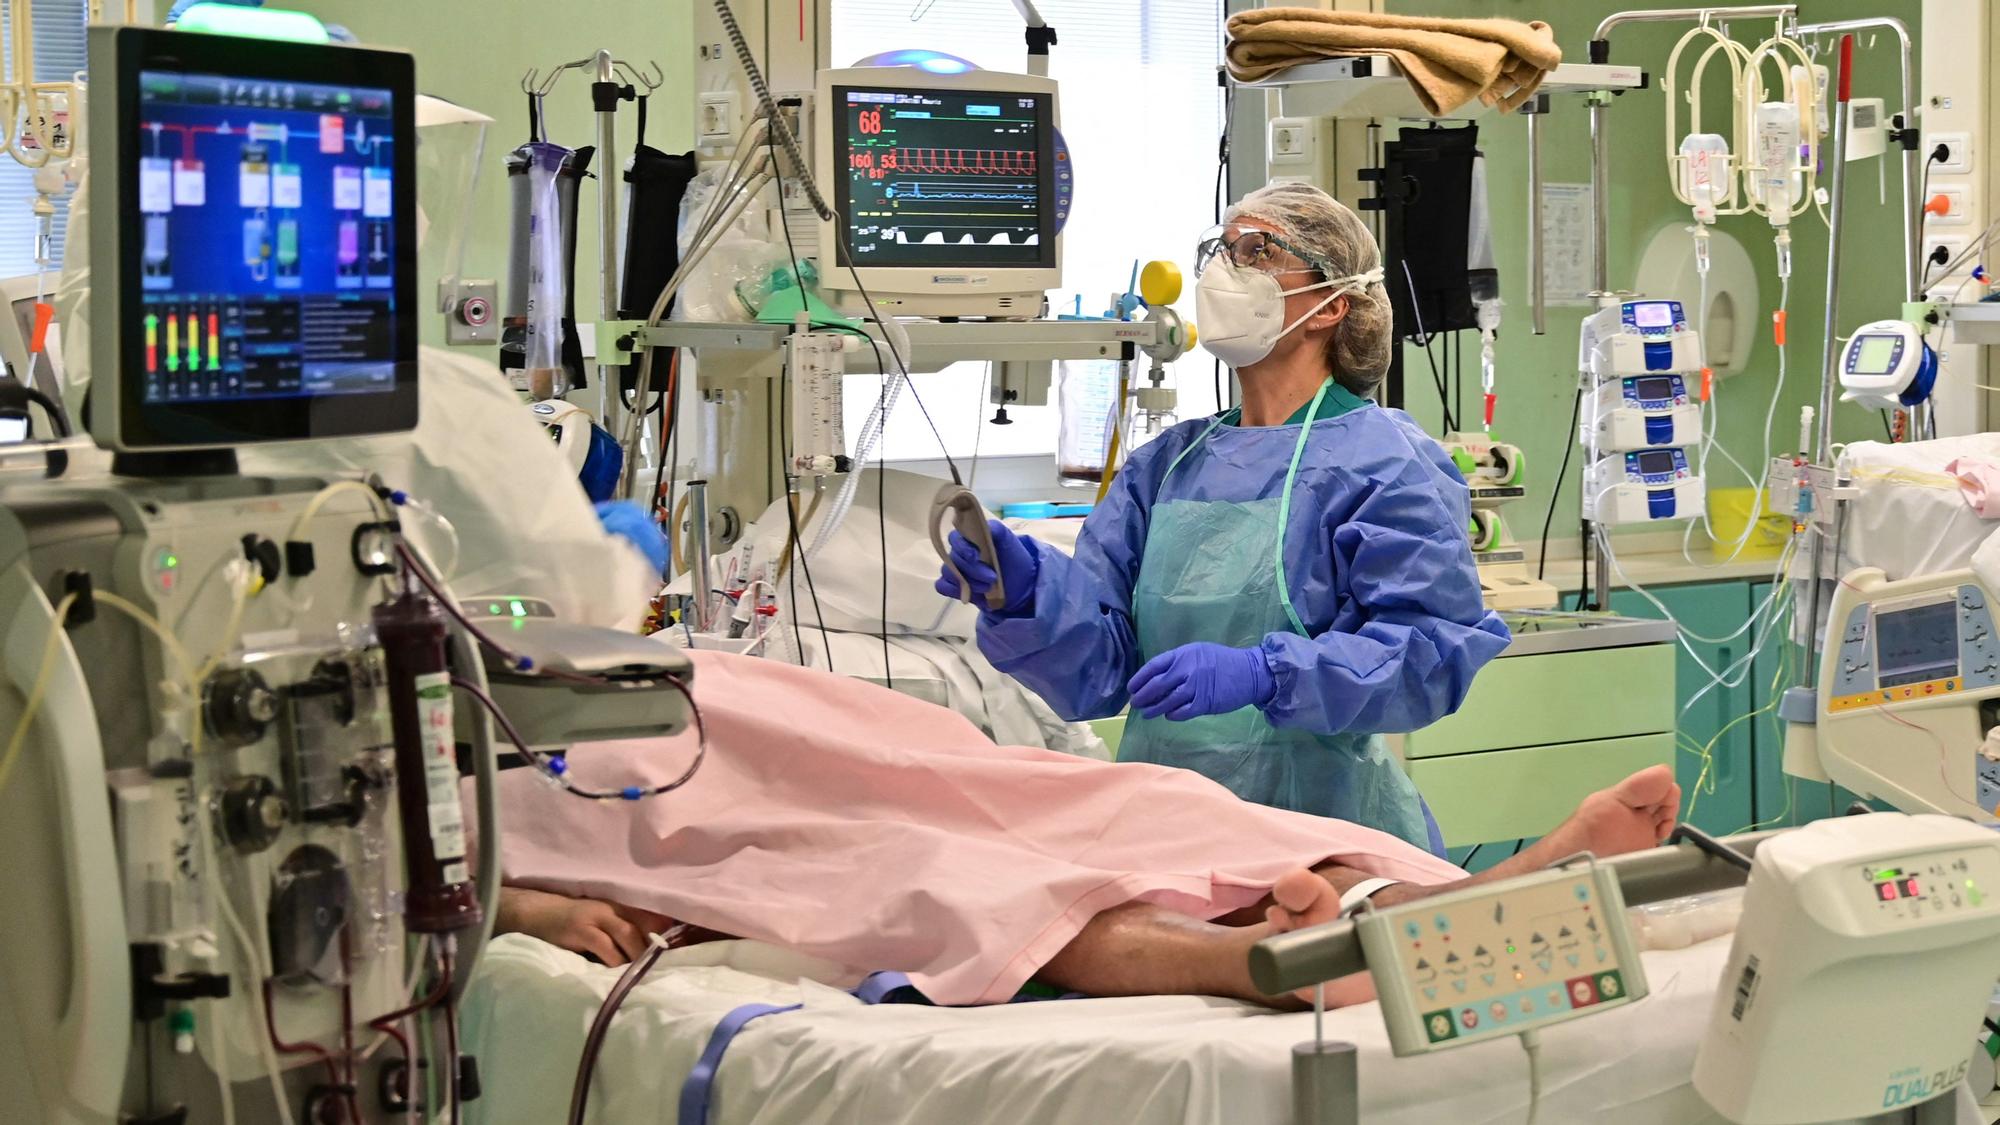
<point x="1600" y="201"/>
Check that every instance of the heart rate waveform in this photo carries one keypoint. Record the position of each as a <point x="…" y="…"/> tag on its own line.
<point x="945" y="162"/>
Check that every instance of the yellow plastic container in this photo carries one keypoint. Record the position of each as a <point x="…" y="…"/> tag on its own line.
<point x="1729" y="511"/>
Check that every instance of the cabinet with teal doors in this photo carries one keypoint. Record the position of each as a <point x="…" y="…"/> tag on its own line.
<point x="1710" y="609"/>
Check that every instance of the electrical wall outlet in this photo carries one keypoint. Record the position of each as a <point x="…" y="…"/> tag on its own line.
<point x="1959" y="162"/>
<point x="716" y="117"/>
<point x="1954" y="214"/>
<point x="1300" y="149"/>
<point x="1952" y="245"/>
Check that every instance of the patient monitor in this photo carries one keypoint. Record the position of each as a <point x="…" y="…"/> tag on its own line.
<point x="950" y="191"/>
<point x="1886" y="918"/>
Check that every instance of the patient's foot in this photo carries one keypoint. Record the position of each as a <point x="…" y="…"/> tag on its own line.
<point x="1305" y="898"/>
<point x="1634" y="814"/>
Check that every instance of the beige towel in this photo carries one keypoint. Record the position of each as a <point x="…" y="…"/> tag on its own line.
<point x="1449" y="62"/>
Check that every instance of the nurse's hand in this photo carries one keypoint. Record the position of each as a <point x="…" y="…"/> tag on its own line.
<point x="1202" y="679"/>
<point x="1018" y="565"/>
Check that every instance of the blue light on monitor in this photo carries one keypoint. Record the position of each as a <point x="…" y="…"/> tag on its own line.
<point x="936" y="62"/>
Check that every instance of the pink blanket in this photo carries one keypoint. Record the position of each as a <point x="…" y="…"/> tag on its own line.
<point x="861" y="826"/>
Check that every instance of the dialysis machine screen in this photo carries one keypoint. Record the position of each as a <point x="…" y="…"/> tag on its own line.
<point x="945" y="177"/>
<point x="264" y="266"/>
<point x="269" y="253"/>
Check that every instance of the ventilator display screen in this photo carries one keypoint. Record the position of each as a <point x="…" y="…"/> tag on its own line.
<point x="945" y="177"/>
<point x="1916" y="645"/>
<point x="269" y="257"/>
<point x="1874" y="355"/>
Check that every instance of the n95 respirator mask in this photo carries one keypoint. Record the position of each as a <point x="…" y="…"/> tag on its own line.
<point x="1241" y="309"/>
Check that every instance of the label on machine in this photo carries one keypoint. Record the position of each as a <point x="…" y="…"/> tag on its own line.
<point x="447" y="815"/>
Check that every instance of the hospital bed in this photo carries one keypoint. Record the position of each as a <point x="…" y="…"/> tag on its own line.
<point x="1147" y="1061"/>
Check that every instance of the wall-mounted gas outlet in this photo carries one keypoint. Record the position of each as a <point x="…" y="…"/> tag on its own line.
<point x="471" y="311"/>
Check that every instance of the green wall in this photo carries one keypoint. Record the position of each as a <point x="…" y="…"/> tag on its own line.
<point x="475" y="55"/>
<point x="1537" y="374"/>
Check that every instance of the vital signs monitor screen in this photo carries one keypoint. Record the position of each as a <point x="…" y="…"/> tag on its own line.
<point x="269" y="258"/>
<point x="945" y="177"/>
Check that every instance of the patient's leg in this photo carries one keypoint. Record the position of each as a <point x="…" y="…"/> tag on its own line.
<point x="1139" y="949"/>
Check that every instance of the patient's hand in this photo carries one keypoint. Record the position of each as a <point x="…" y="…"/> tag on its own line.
<point x="611" y="933"/>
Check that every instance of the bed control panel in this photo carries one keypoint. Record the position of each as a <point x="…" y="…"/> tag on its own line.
<point x="1502" y="958"/>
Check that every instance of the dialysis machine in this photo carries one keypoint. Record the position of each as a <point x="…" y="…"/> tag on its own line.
<point x="239" y="877"/>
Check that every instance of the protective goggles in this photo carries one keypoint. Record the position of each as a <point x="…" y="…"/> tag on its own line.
<point x="1252" y="249"/>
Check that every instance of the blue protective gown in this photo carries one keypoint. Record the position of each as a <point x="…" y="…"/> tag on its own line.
<point x="1384" y="629"/>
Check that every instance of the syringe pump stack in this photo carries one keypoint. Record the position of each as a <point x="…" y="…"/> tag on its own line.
<point x="1642" y="376"/>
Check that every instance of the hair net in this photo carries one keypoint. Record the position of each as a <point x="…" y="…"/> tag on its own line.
<point x="1337" y="244"/>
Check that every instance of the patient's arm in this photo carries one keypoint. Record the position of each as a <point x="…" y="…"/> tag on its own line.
<point x="611" y="933"/>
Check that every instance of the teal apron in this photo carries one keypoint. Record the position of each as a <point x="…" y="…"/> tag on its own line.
<point x="1212" y="571"/>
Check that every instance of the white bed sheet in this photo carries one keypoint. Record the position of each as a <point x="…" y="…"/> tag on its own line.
<point x="1148" y="1061"/>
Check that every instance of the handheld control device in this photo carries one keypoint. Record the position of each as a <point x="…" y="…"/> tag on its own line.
<point x="1501" y="959"/>
<point x="968" y="518"/>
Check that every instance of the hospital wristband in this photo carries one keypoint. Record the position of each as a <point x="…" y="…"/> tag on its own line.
<point x="1361" y="892"/>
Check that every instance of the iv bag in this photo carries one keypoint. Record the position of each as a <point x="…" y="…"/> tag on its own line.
<point x="1087" y="395"/>
<point x="546" y="270"/>
<point x="1705" y="173"/>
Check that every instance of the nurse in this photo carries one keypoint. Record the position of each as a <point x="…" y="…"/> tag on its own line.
<point x="1272" y="589"/>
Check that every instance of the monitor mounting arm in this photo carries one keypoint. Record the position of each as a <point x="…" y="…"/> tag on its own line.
<point x="1040" y="38"/>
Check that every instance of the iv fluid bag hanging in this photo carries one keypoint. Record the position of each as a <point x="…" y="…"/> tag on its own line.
<point x="543" y="349"/>
<point x="1483" y="279"/>
<point x="541" y="271"/>
<point x="1775" y="178"/>
<point x="1705" y="172"/>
